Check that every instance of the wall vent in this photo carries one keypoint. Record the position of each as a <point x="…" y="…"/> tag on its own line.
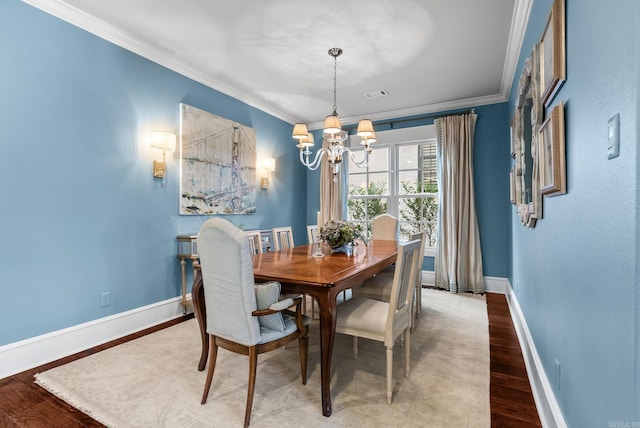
<point x="377" y="94"/>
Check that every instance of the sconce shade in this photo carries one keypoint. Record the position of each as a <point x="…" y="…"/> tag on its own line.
<point x="332" y="124"/>
<point x="300" y="131"/>
<point x="163" y="140"/>
<point x="365" y="128"/>
<point x="269" y="164"/>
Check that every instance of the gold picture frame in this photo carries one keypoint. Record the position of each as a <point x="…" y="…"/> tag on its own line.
<point x="552" y="53"/>
<point x="552" y="152"/>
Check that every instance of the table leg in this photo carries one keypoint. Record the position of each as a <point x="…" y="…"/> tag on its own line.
<point x="200" y="311"/>
<point x="183" y="267"/>
<point x="327" y="304"/>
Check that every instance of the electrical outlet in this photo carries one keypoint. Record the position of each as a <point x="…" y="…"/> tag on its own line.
<point x="105" y="299"/>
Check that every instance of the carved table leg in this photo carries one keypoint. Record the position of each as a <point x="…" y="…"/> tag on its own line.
<point x="327" y="304"/>
<point x="200" y="310"/>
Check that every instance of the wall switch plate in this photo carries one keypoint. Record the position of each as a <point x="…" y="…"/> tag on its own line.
<point x="105" y="299"/>
<point x="613" y="137"/>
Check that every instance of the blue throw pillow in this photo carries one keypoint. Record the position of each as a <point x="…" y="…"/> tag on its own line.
<point x="267" y="294"/>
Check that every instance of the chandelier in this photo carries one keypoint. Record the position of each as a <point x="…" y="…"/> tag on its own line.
<point x="334" y="135"/>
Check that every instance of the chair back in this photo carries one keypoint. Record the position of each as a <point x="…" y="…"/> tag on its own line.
<point x="422" y="236"/>
<point x="399" y="316"/>
<point x="312" y="234"/>
<point x="384" y="226"/>
<point x="255" y="242"/>
<point x="282" y="238"/>
<point x="227" y="274"/>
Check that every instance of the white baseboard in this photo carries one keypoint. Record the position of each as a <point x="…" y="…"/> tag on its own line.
<point x="548" y="408"/>
<point x="29" y="353"/>
<point x="492" y="284"/>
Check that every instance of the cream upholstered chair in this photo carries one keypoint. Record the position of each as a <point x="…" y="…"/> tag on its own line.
<point x="255" y="241"/>
<point x="282" y="238"/>
<point x="384" y="226"/>
<point x="243" y="317"/>
<point x="384" y="321"/>
<point x="312" y="233"/>
<point x="379" y="286"/>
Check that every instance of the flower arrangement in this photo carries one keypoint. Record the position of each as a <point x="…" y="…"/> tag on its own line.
<point x="337" y="233"/>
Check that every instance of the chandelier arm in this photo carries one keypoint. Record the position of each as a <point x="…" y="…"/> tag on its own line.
<point x="360" y="164"/>
<point x="304" y="158"/>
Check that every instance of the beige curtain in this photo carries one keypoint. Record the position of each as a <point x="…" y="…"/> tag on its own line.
<point x="458" y="261"/>
<point x="330" y="192"/>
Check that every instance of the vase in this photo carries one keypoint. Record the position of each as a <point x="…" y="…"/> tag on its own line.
<point x="346" y="249"/>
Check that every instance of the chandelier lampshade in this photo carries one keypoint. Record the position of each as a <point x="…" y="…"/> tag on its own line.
<point x="365" y="128"/>
<point x="300" y="131"/>
<point x="332" y="124"/>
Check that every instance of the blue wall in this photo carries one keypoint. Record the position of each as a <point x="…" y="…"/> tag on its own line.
<point x="491" y="166"/>
<point x="575" y="274"/>
<point x="81" y="213"/>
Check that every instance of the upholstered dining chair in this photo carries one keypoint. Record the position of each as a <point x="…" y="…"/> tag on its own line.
<point x="379" y="286"/>
<point x="384" y="226"/>
<point x="255" y="241"/>
<point x="384" y="321"/>
<point x="282" y="238"/>
<point x="243" y="317"/>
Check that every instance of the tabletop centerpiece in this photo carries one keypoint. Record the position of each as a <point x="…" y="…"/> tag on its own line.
<point x="341" y="236"/>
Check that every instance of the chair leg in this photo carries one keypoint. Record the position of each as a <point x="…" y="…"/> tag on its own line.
<point x="355" y="347"/>
<point x="303" y="344"/>
<point x="213" y="355"/>
<point x="407" y="352"/>
<point x="253" y="365"/>
<point x="419" y="300"/>
<point x="389" y="373"/>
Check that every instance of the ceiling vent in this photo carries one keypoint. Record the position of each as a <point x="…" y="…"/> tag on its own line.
<point x="377" y="94"/>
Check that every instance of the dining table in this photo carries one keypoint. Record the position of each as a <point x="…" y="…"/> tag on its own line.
<point x="301" y="270"/>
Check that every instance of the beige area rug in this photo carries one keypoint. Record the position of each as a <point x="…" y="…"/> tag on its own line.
<point x="153" y="381"/>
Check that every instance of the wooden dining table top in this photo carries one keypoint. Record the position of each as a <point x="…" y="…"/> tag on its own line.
<point x="298" y="266"/>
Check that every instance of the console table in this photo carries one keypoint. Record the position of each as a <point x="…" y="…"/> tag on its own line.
<point x="187" y="250"/>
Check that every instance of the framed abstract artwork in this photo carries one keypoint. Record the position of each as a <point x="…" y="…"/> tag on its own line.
<point x="217" y="164"/>
<point x="552" y="151"/>
<point x="552" y="53"/>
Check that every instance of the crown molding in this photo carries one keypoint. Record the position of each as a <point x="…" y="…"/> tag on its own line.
<point x="416" y="111"/>
<point x="519" y="21"/>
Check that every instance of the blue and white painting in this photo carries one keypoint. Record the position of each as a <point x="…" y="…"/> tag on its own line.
<point x="217" y="164"/>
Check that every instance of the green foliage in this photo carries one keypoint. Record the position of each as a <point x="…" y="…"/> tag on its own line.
<point x="361" y="209"/>
<point x="417" y="214"/>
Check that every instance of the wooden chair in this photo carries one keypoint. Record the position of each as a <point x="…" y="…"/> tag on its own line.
<point x="384" y="321"/>
<point x="384" y="226"/>
<point x="282" y="238"/>
<point x="255" y="241"/>
<point x="379" y="287"/>
<point x="241" y="316"/>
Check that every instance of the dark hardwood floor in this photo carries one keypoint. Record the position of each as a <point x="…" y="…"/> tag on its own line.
<point x="24" y="404"/>
<point x="510" y="393"/>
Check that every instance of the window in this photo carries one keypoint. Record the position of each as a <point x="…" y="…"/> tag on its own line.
<point x="401" y="179"/>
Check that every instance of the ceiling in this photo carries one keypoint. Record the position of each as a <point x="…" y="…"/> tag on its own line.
<point x="427" y="55"/>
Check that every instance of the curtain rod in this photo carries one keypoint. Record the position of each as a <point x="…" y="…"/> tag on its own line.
<point x="414" y="119"/>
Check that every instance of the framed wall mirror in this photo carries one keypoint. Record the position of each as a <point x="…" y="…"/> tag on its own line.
<point x="525" y="147"/>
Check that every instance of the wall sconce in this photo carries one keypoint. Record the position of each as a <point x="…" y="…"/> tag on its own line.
<point x="166" y="141"/>
<point x="268" y="165"/>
